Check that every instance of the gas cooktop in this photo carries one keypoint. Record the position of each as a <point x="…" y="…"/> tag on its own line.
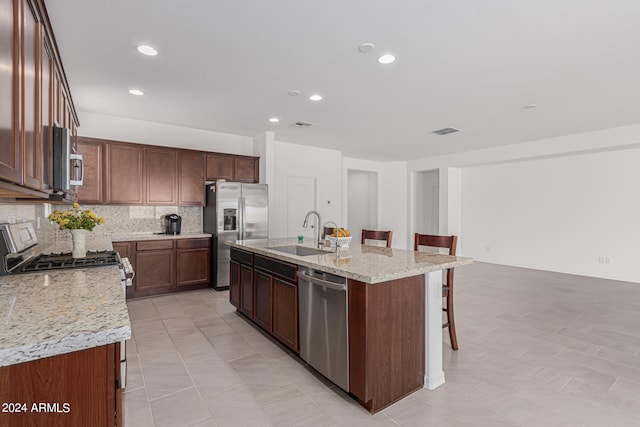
<point x="65" y="260"/>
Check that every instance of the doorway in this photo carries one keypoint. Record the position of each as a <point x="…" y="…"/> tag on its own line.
<point x="362" y="201"/>
<point x="426" y="217"/>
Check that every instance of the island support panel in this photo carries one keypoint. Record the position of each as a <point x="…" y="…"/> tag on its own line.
<point x="433" y="339"/>
<point x="81" y="388"/>
<point x="386" y="340"/>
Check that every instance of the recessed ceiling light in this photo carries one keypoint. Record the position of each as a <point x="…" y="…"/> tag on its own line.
<point x="315" y="97"/>
<point x="294" y="92"/>
<point x="274" y="119"/>
<point x="147" y="50"/>
<point x="136" y="92"/>
<point x="386" y="59"/>
<point x="366" y="47"/>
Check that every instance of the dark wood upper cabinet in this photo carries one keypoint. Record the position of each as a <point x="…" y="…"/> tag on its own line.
<point x="191" y="168"/>
<point x="124" y="174"/>
<point x="232" y="167"/>
<point x="160" y="168"/>
<point x="31" y="107"/>
<point x="246" y="169"/>
<point x="33" y="85"/>
<point x="91" y="191"/>
<point x="220" y="166"/>
<point x="10" y="148"/>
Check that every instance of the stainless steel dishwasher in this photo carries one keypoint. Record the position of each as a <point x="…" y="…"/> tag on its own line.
<point x="324" y="339"/>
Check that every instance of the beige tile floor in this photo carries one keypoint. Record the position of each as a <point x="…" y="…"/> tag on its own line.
<point x="536" y="349"/>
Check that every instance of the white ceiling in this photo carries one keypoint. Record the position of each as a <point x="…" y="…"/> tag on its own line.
<point x="226" y="66"/>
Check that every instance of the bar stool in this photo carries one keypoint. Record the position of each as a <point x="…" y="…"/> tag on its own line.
<point x="448" y="242"/>
<point x="377" y="235"/>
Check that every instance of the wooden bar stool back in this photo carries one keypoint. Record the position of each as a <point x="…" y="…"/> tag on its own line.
<point x="448" y="242"/>
<point x="377" y="235"/>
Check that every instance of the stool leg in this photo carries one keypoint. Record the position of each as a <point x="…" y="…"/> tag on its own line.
<point x="451" y="322"/>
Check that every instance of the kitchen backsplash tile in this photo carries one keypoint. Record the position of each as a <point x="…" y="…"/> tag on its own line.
<point x="118" y="219"/>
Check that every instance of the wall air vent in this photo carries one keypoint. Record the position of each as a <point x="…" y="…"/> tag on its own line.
<point x="445" y="131"/>
<point x="302" y="124"/>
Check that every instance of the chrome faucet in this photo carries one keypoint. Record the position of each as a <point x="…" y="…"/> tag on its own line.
<point x="306" y="222"/>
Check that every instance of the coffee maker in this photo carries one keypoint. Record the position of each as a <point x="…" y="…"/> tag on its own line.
<point x="172" y="224"/>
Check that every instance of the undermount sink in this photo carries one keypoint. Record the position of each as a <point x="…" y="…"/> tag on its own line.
<point x="299" y="250"/>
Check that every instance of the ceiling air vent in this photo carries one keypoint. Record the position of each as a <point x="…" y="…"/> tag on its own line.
<point x="302" y="124"/>
<point x="445" y="131"/>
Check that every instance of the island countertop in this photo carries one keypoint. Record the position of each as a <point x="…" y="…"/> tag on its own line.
<point x="365" y="263"/>
<point x="60" y="311"/>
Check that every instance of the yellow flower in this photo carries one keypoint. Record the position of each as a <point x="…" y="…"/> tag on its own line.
<point x="76" y="218"/>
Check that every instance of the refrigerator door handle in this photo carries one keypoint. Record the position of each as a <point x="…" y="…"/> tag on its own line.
<point x="243" y="202"/>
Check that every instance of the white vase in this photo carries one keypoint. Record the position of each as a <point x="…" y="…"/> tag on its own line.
<point x="79" y="238"/>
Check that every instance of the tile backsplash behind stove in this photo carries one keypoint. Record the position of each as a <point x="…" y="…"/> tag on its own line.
<point x="118" y="219"/>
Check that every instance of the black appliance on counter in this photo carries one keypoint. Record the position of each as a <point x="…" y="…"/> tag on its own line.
<point x="172" y="224"/>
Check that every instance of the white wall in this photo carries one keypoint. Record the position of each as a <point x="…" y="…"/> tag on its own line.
<point x="298" y="161"/>
<point x="563" y="214"/>
<point x="553" y="205"/>
<point x="143" y="132"/>
<point x="393" y="196"/>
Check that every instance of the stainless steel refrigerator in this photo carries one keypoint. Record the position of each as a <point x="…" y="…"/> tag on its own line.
<point x="233" y="211"/>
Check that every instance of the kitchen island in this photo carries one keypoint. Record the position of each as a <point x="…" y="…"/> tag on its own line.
<point x="60" y="347"/>
<point x="394" y="309"/>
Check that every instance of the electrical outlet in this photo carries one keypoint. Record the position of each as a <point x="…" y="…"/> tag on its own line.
<point x="11" y="219"/>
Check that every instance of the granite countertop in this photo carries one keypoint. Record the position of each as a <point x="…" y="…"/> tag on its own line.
<point x="131" y="237"/>
<point x="368" y="264"/>
<point x="60" y="311"/>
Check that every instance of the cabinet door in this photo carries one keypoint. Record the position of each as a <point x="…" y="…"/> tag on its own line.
<point x="160" y="166"/>
<point x="47" y="118"/>
<point x="220" y="166"/>
<point x="155" y="271"/>
<point x="91" y="190"/>
<point x="246" y="290"/>
<point x="85" y="380"/>
<point x="193" y="262"/>
<point x="285" y="313"/>
<point x="234" y="283"/>
<point x="246" y="169"/>
<point x="124" y="174"/>
<point x="32" y="139"/>
<point x="263" y="293"/>
<point x="191" y="166"/>
<point x="10" y="147"/>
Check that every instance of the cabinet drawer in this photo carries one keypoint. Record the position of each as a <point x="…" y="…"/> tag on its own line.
<point x="193" y="243"/>
<point x="242" y="256"/>
<point x="282" y="269"/>
<point x="151" y="245"/>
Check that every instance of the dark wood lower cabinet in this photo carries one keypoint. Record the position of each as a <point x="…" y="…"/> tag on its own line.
<point x="386" y="340"/>
<point x="234" y="283"/>
<point x="164" y="266"/>
<point x="285" y="312"/>
<point x="193" y="262"/>
<point x="263" y="283"/>
<point x="155" y="267"/>
<point x="74" y="389"/>
<point x="246" y="290"/>
<point x="266" y="291"/>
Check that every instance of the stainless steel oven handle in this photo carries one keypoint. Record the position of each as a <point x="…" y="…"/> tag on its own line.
<point x="321" y="282"/>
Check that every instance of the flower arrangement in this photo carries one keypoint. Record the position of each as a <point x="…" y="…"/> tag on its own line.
<point x="76" y="219"/>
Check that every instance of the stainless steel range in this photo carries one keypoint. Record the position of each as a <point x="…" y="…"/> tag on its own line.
<point x="20" y="255"/>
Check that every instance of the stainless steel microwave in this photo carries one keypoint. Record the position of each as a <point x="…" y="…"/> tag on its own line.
<point x="67" y="166"/>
